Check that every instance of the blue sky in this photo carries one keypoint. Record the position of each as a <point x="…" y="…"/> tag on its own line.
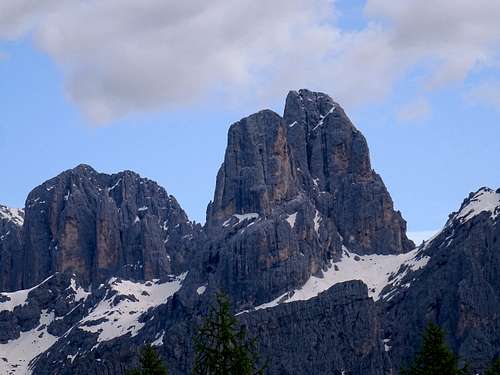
<point x="430" y="113"/>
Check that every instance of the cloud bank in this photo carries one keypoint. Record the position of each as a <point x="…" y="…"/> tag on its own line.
<point x="125" y="56"/>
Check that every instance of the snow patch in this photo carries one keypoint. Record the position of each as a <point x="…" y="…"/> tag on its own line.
<point x="387" y="347"/>
<point x="115" y="185"/>
<point x="18" y="298"/>
<point x="317" y="221"/>
<point x="80" y="293"/>
<point x="322" y="118"/>
<point x="16" y="355"/>
<point x="14" y="215"/>
<point x="376" y="271"/>
<point x="201" y="290"/>
<point x="241" y="218"/>
<point x="291" y="219"/>
<point x="485" y="199"/>
<point x="118" y="314"/>
<point x="159" y="340"/>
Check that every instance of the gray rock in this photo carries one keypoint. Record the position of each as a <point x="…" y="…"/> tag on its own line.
<point x="459" y="289"/>
<point x="11" y="248"/>
<point x="99" y="225"/>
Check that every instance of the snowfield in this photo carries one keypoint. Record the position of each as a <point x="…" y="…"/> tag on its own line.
<point x="14" y="215"/>
<point x="485" y="199"/>
<point x="117" y="314"/>
<point x="16" y="355"/>
<point x="123" y="309"/>
<point x="376" y="271"/>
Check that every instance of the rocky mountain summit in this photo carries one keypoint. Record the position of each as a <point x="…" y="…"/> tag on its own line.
<point x="292" y="191"/>
<point x="301" y="233"/>
<point x="99" y="225"/>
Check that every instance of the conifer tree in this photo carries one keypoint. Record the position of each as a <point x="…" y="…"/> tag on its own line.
<point x="494" y="368"/>
<point x="151" y="363"/>
<point x="434" y="357"/>
<point x="222" y="346"/>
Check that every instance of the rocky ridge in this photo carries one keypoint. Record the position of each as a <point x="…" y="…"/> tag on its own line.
<point x="97" y="264"/>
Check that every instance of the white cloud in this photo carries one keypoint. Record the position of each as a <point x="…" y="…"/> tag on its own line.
<point x="123" y="56"/>
<point x="20" y="16"/>
<point x="457" y="35"/>
<point x="417" y="110"/>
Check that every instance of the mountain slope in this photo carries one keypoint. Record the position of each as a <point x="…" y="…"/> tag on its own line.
<point x="99" y="226"/>
<point x="459" y="288"/>
<point x="302" y="234"/>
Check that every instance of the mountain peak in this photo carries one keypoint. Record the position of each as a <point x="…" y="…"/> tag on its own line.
<point x="483" y="200"/>
<point x="304" y="106"/>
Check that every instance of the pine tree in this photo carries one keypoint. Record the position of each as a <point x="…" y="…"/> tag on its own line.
<point x="434" y="358"/>
<point x="494" y="368"/>
<point x="222" y="346"/>
<point x="151" y="364"/>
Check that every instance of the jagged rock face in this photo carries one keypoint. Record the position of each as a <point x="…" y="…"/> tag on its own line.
<point x="258" y="257"/>
<point x="99" y="225"/>
<point x="257" y="172"/>
<point x="335" y="168"/>
<point x="459" y="288"/>
<point x="11" y="223"/>
<point x="290" y="193"/>
<point x="345" y="338"/>
<point x="293" y="194"/>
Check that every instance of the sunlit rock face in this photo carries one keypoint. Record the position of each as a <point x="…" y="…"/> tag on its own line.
<point x="98" y="225"/>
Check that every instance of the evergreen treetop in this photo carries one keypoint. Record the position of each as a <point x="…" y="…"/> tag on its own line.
<point x="222" y="346"/>
<point x="151" y="364"/>
<point x="434" y="357"/>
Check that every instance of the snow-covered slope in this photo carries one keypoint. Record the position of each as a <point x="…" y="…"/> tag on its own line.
<point x="119" y="312"/>
<point x="116" y="314"/>
<point x="376" y="271"/>
<point x="14" y="215"/>
<point x="485" y="199"/>
<point x="16" y="355"/>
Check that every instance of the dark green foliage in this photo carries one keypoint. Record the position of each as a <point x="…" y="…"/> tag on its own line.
<point x="151" y="364"/>
<point x="222" y="346"/>
<point x="494" y="368"/>
<point x="434" y="357"/>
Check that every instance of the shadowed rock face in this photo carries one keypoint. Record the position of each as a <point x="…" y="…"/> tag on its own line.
<point x="459" y="288"/>
<point x="258" y="171"/>
<point x="98" y="225"/>
<point x="290" y="193"/>
<point x="337" y="332"/>
<point x="335" y="169"/>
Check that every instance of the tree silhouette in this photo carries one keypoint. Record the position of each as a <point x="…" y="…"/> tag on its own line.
<point x="151" y="364"/>
<point x="222" y="346"/>
<point x="434" y="357"/>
